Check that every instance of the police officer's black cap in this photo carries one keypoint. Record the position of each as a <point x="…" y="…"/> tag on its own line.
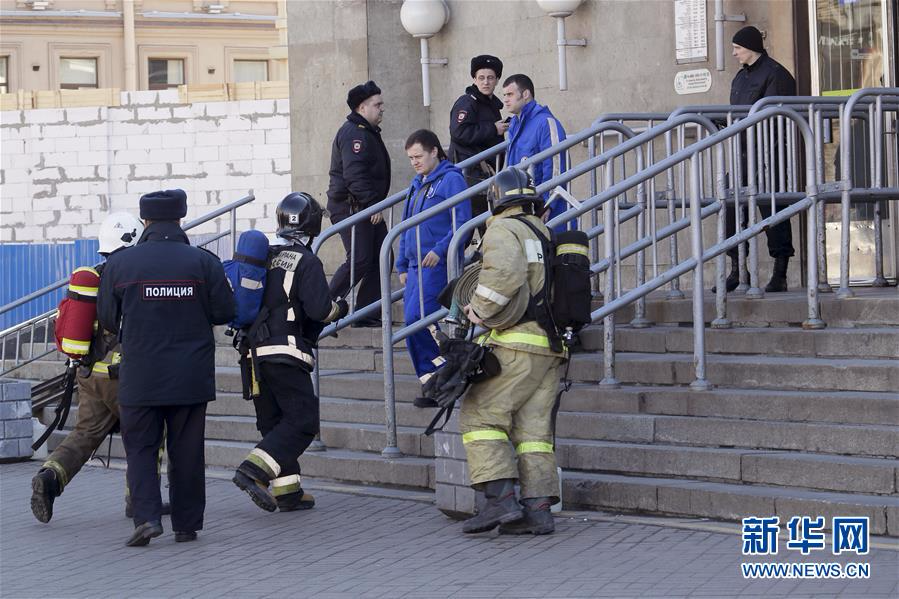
<point x="485" y="61"/>
<point x="750" y="38"/>
<point x="170" y="204"/>
<point x="361" y="93"/>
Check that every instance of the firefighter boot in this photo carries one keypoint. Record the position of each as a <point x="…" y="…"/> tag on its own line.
<point x="251" y="478"/>
<point x="501" y="507"/>
<point x="295" y="501"/>
<point x="778" y="280"/>
<point x="733" y="278"/>
<point x="45" y="489"/>
<point x="538" y="520"/>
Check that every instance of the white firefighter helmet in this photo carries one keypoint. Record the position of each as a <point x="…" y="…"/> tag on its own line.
<point x="119" y="230"/>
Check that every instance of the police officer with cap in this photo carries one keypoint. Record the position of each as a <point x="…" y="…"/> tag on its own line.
<point x="360" y="177"/>
<point x="477" y="125"/>
<point x="507" y="421"/>
<point x="162" y="297"/>
<point x="295" y="308"/>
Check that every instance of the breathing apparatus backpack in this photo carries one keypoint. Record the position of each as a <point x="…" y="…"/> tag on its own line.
<point x="74" y="327"/>
<point x="562" y="306"/>
<point x="246" y="274"/>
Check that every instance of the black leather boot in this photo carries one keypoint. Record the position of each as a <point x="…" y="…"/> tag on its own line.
<point x="501" y="507"/>
<point x="45" y="488"/>
<point x="733" y="279"/>
<point x="778" y="280"/>
<point x="538" y="520"/>
<point x="143" y="533"/>
<point x="250" y="478"/>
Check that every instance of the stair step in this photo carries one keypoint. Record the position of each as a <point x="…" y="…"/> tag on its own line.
<point x="870" y="342"/>
<point x="860" y="440"/>
<point x="748" y="372"/>
<point x="839" y="407"/>
<point x="722" y="500"/>
<point x="807" y="470"/>
<point x="334" y="464"/>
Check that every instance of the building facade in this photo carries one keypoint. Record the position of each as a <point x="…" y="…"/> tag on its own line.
<point x="139" y="44"/>
<point x="640" y="56"/>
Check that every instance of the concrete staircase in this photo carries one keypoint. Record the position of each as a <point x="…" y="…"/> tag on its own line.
<point x="797" y="423"/>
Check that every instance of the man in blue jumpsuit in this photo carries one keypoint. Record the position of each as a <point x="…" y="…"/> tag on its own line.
<point x="162" y="297"/>
<point x="429" y="247"/>
<point x="533" y="129"/>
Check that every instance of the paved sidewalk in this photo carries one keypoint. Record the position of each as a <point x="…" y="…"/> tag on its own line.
<point x="353" y="545"/>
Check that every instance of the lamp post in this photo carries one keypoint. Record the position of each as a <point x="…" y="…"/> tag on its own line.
<point x="560" y="9"/>
<point x="423" y="19"/>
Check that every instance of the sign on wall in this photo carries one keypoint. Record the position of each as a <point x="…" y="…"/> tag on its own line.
<point x="697" y="81"/>
<point x="690" y="31"/>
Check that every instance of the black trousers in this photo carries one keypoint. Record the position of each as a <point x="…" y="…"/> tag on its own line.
<point x="142" y="429"/>
<point x="780" y="236"/>
<point x="366" y="270"/>
<point x="286" y="414"/>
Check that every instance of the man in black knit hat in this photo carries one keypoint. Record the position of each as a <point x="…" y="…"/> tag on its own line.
<point x="360" y="177"/>
<point x="760" y="77"/>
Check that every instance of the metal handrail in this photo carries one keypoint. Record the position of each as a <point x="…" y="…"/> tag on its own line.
<point x="47" y="316"/>
<point x="846" y="171"/>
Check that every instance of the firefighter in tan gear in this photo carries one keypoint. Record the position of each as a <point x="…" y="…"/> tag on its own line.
<point x="98" y="406"/>
<point x="507" y="421"/>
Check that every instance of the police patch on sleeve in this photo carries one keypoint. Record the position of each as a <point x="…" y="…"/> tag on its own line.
<point x="169" y="290"/>
<point x="461" y="116"/>
<point x="357" y="146"/>
<point x="287" y="260"/>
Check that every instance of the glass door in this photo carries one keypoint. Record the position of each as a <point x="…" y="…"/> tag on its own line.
<point x="853" y="48"/>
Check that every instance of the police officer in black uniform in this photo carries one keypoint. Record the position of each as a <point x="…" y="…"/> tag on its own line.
<point x="760" y="77"/>
<point x="477" y="125"/>
<point x="296" y="306"/>
<point x="162" y="297"/>
<point x="360" y="177"/>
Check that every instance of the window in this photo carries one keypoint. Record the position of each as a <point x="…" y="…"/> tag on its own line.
<point x="4" y="82"/>
<point x="76" y="73"/>
<point x="250" y="70"/>
<point x="165" y="73"/>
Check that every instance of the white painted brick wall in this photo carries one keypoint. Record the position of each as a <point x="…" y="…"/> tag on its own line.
<point x="57" y="163"/>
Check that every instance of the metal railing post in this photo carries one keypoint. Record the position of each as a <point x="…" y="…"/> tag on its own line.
<point x="700" y="382"/>
<point x="608" y="353"/>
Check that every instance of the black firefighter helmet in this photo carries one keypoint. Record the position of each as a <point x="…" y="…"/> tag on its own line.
<point x="299" y="215"/>
<point x="513" y="187"/>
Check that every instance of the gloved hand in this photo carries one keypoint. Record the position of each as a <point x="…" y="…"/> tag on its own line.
<point x="343" y="308"/>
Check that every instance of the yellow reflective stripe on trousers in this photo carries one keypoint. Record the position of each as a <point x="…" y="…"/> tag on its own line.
<point x="524" y="338"/>
<point x="485" y="435"/>
<point x="534" y="447"/>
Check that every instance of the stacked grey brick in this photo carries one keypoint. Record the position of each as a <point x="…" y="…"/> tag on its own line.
<point x="15" y="421"/>
<point x="454" y="495"/>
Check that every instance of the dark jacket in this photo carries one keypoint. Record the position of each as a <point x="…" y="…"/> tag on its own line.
<point x="765" y="77"/>
<point x="298" y="305"/>
<point x="360" y="168"/>
<point x="473" y="124"/>
<point x="162" y="298"/>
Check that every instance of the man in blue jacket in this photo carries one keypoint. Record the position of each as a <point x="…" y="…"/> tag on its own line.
<point x="533" y="129"/>
<point x="162" y="300"/>
<point x="422" y="258"/>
